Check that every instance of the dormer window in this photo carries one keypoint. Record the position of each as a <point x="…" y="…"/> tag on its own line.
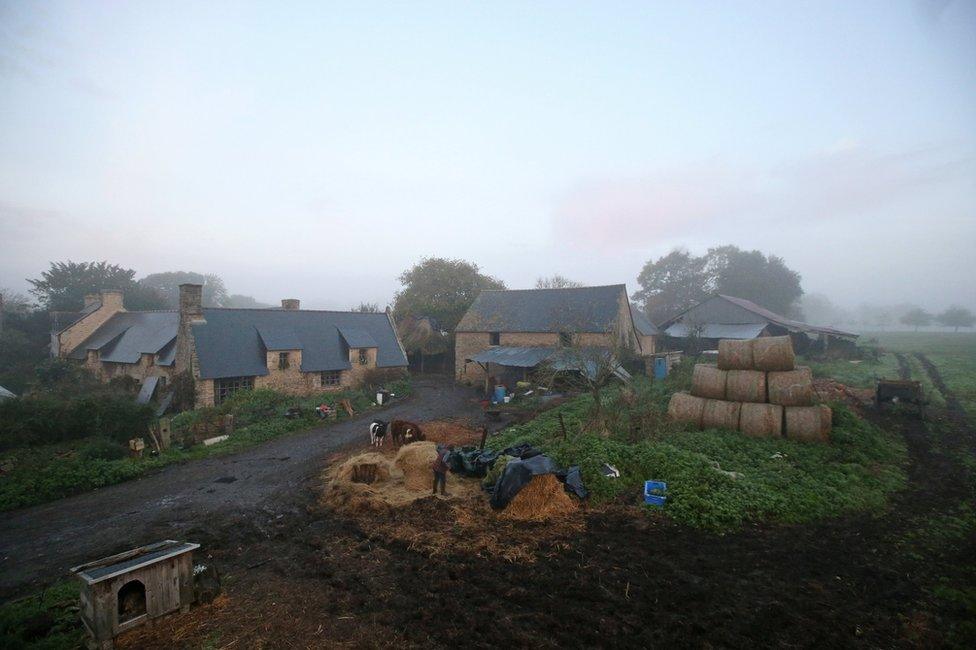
<point x="363" y="356"/>
<point x="283" y="361"/>
<point x="565" y="339"/>
<point x="495" y="338"/>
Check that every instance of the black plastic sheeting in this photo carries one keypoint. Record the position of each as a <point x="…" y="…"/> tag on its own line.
<point x="529" y="461"/>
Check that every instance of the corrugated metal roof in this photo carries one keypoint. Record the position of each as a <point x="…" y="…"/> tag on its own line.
<point x="782" y="321"/>
<point x="585" y="360"/>
<point x="5" y="394"/>
<point x="719" y="330"/>
<point x="357" y="338"/>
<point x="146" y="390"/>
<point x="124" y="337"/>
<point x="582" y="309"/>
<point x="228" y="344"/>
<point x="279" y="338"/>
<point x="114" y="565"/>
<point x="642" y="323"/>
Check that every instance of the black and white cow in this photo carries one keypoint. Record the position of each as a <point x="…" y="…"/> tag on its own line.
<point x="377" y="432"/>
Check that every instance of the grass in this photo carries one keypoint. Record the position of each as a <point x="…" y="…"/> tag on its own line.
<point x="43" y="621"/>
<point x="33" y="475"/>
<point x="780" y="480"/>
<point x="859" y="374"/>
<point x="953" y="353"/>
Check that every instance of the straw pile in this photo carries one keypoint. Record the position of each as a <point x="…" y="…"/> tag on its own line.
<point x="791" y="387"/>
<point x="763" y="394"/>
<point x="761" y="420"/>
<point x="719" y="414"/>
<point x="735" y="355"/>
<point x="544" y="497"/>
<point x="746" y="386"/>
<point x="708" y="381"/>
<point x="415" y="461"/>
<point x="365" y="468"/>
<point x="686" y="408"/>
<point x="772" y="353"/>
<point x="808" y="423"/>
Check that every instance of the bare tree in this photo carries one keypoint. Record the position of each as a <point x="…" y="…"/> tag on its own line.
<point x="367" y="308"/>
<point x="556" y="282"/>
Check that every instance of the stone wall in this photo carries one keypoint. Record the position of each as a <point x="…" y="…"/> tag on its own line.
<point x="355" y="374"/>
<point x="288" y="380"/>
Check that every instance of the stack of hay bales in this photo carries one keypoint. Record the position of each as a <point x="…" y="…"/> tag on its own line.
<point x="757" y="389"/>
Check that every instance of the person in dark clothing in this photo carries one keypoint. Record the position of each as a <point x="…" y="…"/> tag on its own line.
<point x="440" y="468"/>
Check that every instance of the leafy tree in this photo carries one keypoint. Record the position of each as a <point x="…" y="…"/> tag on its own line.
<point x="916" y="318"/>
<point x="956" y="317"/>
<point x="556" y="282"/>
<point x="238" y="301"/>
<point x="680" y="280"/>
<point x="765" y="280"/>
<point x="63" y="287"/>
<point x="672" y="284"/>
<point x="367" y="308"/>
<point x="168" y="284"/>
<point x="14" y="300"/>
<point x="442" y="289"/>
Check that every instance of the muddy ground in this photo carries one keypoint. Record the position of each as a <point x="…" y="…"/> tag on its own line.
<point x="309" y="577"/>
<point x="39" y="544"/>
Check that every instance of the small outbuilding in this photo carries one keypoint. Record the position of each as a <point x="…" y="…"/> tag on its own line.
<point x="728" y="317"/>
<point x="5" y="394"/>
<point x="123" y="591"/>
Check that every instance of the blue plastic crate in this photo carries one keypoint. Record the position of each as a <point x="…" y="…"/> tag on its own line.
<point x="655" y="499"/>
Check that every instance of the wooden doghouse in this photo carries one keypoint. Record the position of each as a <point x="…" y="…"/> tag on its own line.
<point x="125" y="590"/>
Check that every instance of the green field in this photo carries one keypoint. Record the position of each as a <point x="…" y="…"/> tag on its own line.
<point x="953" y="353"/>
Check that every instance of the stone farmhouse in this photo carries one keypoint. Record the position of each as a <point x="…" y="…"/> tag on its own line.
<point x="510" y="331"/>
<point x="289" y="349"/>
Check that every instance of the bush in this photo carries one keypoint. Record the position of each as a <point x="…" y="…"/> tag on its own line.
<point x="102" y="449"/>
<point x="43" y="419"/>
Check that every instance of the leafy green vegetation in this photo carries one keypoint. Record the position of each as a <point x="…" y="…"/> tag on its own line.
<point x="33" y="475"/>
<point x="776" y="479"/>
<point x="856" y="373"/>
<point x="43" y="621"/>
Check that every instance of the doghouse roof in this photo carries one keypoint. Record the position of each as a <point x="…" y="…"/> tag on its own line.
<point x="114" y="565"/>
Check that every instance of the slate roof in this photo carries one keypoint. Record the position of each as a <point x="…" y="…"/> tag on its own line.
<point x="233" y="342"/>
<point x="230" y="343"/>
<point x="124" y="337"/>
<point x="642" y="323"/>
<point x="582" y="309"/>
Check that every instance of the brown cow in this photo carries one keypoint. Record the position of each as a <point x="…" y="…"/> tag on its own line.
<point x="404" y="432"/>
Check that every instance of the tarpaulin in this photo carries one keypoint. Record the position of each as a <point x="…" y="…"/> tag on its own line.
<point x="517" y="475"/>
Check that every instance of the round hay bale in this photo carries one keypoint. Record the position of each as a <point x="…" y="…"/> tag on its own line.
<point x="415" y="461"/>
<point x="745" y="386"/>
<point x="791" y="387"/>
<point x="542" y="498"/>
<point x="365" y="468"/>
<point x="719" y="414"/>
<point x="708" y="381"/>
<point x="734" y="354"/>
<point x="761" y="420"/>
<point x="686" y="408"/>
<point x="773" y="353"/>
<point x="808" y="423"/>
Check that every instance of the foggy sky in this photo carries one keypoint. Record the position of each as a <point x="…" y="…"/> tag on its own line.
<point x="317" y="150"/>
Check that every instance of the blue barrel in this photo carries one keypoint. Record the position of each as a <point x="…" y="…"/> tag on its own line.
<point x="499" y="394"/>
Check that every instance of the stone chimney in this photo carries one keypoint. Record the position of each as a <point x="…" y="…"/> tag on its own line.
<point x="191" y="313"/>
<point x="91" y="299"/>
<point x="191" y="302"/>
<point x="113" y="301"/>
<point x="291" y="304"/>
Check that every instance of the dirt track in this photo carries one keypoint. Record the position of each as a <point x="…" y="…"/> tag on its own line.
<point x="39" y="544"/>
